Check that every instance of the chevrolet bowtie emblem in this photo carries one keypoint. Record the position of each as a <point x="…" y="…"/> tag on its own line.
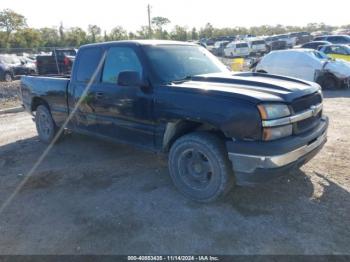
<point x="314" y="110"/>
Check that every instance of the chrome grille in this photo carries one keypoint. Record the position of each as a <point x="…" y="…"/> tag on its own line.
<point x="302" y="104"/>
<point x="305" y="102"/>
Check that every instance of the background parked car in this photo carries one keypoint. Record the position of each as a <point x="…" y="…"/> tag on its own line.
<point x="60" y="61"/>
<point x="334" y="39"/>
<point x="310" y="65"/>
<point x="257" y="46"/>
<point x="245" y="37"/>
<point x="337" y="51"/>
<point x="219" y="47"/>
<point x="274" y="43"/>
<point x="315" y="44"/>
<point x="291" y="41"/>
<point x="237" y="49"/>
<point x="301" y="37"/>
<point x="11" y="66"/>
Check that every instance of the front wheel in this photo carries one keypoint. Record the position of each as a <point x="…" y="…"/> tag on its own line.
<point x="330" y="82"/>
<point x="200" y="168"/>
<point x="45" y="125"/>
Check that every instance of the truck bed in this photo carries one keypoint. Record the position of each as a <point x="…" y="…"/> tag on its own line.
<point x="52" y="90"/>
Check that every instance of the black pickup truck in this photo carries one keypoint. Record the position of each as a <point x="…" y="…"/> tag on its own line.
<point x="218" y="128"/>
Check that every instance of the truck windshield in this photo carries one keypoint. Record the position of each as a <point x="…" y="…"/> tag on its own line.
<point x="176" y="62"/>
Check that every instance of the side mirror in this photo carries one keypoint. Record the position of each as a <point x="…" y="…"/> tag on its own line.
<point x="130" y="78"/>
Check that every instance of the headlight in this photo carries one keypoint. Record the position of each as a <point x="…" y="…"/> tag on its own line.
<point x="273" y="133"/>
<point x="273" y="111"/>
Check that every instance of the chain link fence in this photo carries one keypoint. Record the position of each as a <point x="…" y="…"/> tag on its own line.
<point x="36" y="50"/>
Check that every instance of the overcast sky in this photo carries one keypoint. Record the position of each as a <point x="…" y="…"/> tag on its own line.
<point x="131" y="14"/>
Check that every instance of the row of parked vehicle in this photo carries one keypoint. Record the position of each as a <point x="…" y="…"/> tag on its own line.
<point x="240" y="48"/>
<point x="325" y="61"/>
<point x="245" y="45"/>
<point x="58" y="61"/>
<point x="13" y="65"/>
<point x="251" y="45"/>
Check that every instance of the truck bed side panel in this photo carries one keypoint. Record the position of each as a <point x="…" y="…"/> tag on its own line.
<point x="52" y="90"/>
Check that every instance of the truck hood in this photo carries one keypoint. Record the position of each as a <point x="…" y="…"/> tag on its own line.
<point x="254" y="87"/>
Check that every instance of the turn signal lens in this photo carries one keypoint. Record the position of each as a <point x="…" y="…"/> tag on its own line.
<point x="273" y="133"/>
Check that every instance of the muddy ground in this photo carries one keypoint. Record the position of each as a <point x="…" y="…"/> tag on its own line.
<point x="92" y="197"/>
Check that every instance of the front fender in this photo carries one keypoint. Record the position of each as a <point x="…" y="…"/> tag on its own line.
<point x="234" y="117"/>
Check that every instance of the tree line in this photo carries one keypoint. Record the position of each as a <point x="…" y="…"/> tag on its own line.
<point x="15" y="33"/>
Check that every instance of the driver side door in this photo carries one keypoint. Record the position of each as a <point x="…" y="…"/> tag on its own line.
<point x="122" y="113"/>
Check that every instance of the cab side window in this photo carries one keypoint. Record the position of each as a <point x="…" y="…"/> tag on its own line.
<point x="120" y="59"/>
<point x="89" y="59"/>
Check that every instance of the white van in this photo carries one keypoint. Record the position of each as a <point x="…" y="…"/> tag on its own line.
<point x="257" y="46"/>
<point x="237" y="49"/>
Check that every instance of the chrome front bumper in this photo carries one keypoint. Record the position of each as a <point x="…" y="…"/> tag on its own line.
<point x="250" y="163"/>
<point x="255" y="162"/>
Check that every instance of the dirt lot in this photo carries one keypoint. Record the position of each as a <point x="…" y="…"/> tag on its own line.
<point x="9" y="94"/>
<point x="91" y="197"/>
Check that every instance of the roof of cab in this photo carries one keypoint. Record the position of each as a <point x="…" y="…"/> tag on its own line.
<point x="139" y="42"/>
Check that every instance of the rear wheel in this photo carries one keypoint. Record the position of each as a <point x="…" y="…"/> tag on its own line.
<point x="200" y="168"/>
<point x="8" y="77"/>
<point x="45" y="125"/>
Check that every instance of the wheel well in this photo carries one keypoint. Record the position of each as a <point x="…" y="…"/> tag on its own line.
<point x="7" y="72"/>
<point x="323" y="76"/>
<point x="37" y="101"/>
<point x="178" y="129"/>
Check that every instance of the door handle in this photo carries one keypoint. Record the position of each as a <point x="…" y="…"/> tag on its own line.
<point x="99" y="95"/>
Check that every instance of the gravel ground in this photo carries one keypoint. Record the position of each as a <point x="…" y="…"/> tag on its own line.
<point x="91" y="197"/>
<point x="9" y="94"/>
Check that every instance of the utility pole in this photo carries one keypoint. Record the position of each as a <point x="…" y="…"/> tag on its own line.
<point x="149" y="21"/>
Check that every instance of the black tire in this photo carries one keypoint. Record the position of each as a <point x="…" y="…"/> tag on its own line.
<point x="200" y="168"/>
<point x="8" y="77"/>
<point x="45" y="124"/>
<point x="329" y="82"/>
